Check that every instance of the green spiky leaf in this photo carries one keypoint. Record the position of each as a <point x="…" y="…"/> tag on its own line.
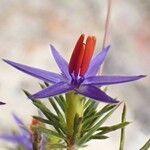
<point x="122" y="136"/>
<point x="87" y="136"/>
<point x="108" y="129"/>
<point x="146" y="145"/>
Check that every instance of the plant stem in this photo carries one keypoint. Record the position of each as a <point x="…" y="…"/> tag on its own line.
<point x="36" y="138"/>
<point x="74" y="106"/>
<point x="73" y="147"/>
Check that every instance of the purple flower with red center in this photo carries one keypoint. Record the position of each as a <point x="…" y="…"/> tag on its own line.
<point x="80" y="75"/>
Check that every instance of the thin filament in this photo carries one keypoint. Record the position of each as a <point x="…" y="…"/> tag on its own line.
<point x="107" y="22"/>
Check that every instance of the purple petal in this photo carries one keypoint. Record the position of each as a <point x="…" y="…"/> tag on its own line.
<point x="61" y="62"/>
<point x="2" y="103"/>
<point x="56" y="89"/>
<point x="96" y="62"/>
<point x="17" y="139"/>
<point x="11" y="138"/>
<point x="107" y="80"/>
<point x="20" y="124"/>
<point x="18" y="120"/>
<point x="35" y="72"/>
<point x="95" y="93"/>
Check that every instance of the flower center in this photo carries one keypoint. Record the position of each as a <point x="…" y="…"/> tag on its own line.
<point x="76" y="81"/>
<point x="81" y="57"/>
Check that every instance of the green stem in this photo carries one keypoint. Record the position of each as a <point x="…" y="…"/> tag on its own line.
<point x="74" y="106"/>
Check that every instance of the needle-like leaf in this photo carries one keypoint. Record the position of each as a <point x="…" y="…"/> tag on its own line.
<point x="122" y="137"/>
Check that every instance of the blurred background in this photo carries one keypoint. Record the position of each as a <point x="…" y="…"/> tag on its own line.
<point x="28" y="27"/>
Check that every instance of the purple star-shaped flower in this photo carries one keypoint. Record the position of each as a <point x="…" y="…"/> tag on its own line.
<point x="79" y="75"/>
<point x="24" y="138"/>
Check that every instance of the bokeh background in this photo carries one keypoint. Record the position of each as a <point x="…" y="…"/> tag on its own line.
<point x="28" y="27"/>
